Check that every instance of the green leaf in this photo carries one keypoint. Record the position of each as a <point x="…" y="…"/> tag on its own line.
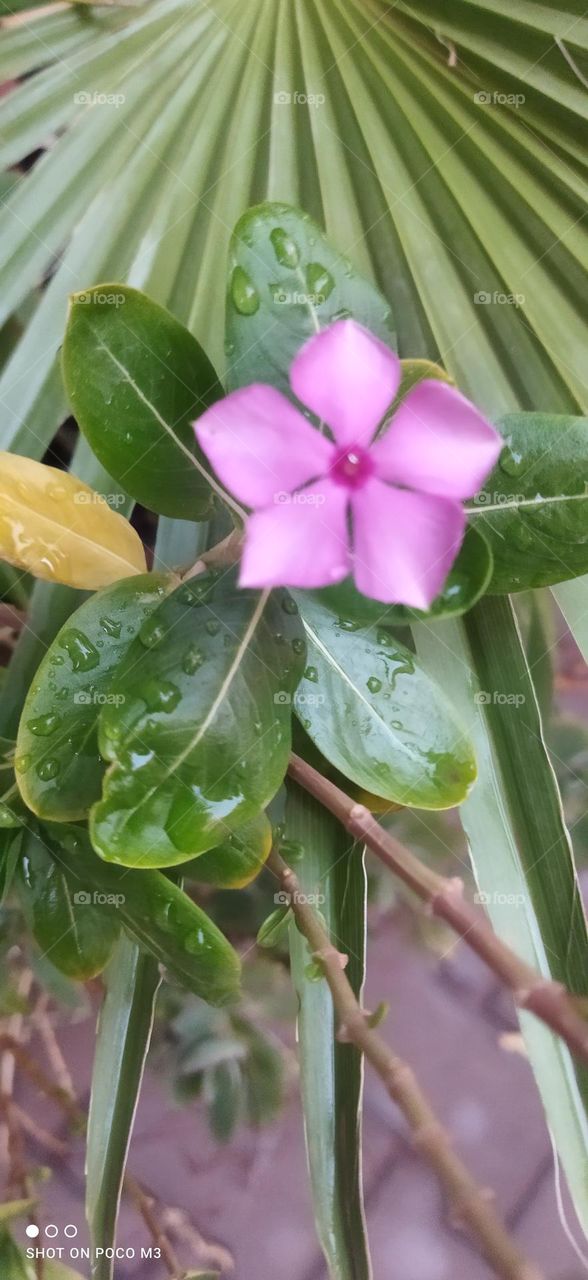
<point x="467" y="582"/>
<point x="331" y="1073"/>
<point x="157" y="914"/>
<point x="519" y="845"/>
<point x="72" y="928"/>
<point x="533" y="508"/>
<point x="372" y="711"/>
<point x="201" y="742"/>
<point x="136" y="380"/>
<point x="12" y="1260"/>
<point x="238" y="860"/>
<point x="287" y="281"/>
<point x="124" y="1032"/>
<point x="59" y="768"/>
<point x="274" y="926"/>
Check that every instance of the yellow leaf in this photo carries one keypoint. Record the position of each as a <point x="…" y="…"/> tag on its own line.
<point x="60" y="529"/>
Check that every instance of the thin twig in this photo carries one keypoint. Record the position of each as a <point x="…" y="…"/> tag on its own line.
<point x="471" y="1203"/>
<point x="548" y="1000"/>
<point x="144" y="1201"/>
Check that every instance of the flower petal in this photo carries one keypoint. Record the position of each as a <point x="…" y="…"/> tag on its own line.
<point x="437" y="442"/>
<point x="260" y="445"/>
<point x="404" y="543"/>
<point x="348" y="378"/>
<point x="301" y="542"/>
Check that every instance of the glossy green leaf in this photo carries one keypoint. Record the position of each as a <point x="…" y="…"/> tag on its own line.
<point x="533" y="508"/>
<point x="201" y="742"/>
<point x="467" y="581"/>
<point x="274" y="927"/>
<point x="71" y="926"/>
<point x="372" y="711"/>
<point x="287" y="281"/>
<point x="237" y="860"/>
<point x="59" y="768"/>
<point x="157" y="914"/>
<point x="124" y="1032"/>
<point x="519" y="845"/>
<point x="331" y="868"/>
<point x="136" y="380"/>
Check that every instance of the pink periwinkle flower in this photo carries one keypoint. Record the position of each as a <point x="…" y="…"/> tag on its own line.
<point x="389" y="509"/>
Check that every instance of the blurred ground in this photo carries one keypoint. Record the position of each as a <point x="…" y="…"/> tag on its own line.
<point x="251" y="1198"/>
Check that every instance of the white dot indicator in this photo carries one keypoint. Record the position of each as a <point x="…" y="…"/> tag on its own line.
<point x="31" y="1231"/>
<point x="51" y="1230"/>
<point x="70" y="1231"/>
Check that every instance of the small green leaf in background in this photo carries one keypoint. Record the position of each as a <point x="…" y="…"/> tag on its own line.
<point x="75" y="931"/>
<point x="124" y="1031"/>
<point x="234" y="863"/>
<point x="286" y="281"/>
<point x="156" y="913"/>
<point x="201" y="742"/>
<point x="59" y="768"/>
<point x="373" y="712"/>
<point x="15" y="1209"/>
<point x="136" y="380"/>
<point x="468" y="579"/>
<point x="331" y="869"/>
<point x="533" y="508"/>
<point x="274" y="927"/>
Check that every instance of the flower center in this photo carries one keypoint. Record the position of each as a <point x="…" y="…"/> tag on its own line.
<point x="352" y="467"/>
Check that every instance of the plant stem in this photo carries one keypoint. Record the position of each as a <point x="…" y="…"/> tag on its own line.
<point x="470" y="1202"/>
<point x="444" y="898"/>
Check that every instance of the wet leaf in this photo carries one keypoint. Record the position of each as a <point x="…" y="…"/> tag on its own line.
<point x="369" y="707"/>
<point x="201" y="742"/>
<point x="533" y="508"/>
<point x="59" y="529"/>
<point x="75" y="930"/>
<point x="238" y="860"/>
<point x="58" y="766"/>
<point x="136" y="380"/>
<point x="286" y="281"/>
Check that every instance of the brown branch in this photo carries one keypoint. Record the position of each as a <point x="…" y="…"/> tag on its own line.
<point x="144" y="1201"/>
<point x="471" y="1203"/>
<point x="548" y="1000"/>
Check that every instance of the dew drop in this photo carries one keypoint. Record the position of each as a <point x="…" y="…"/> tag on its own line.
<point x="44" y="726"/>
<point x="511" y="462"/>
<point x="243" y="292"/>
<point x="22" y="763"/>
<point x="82" y="653"/>
<point x="285" y="248"/>
<point x="289" y="605"/>
<point x="151" y="633"/>
<point x="311" y="674"/>
<point x="47" y="769"/>
<point x="374" y="685"/>
<point x="298" y="645"/>
<point x="111" y="627"/>
<point x="319" y="281"/>
<point x="213" y="627"/>
<point x="192" y="660"/>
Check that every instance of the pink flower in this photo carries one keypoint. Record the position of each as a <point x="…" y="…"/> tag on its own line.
<point x="401" y="493"/>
